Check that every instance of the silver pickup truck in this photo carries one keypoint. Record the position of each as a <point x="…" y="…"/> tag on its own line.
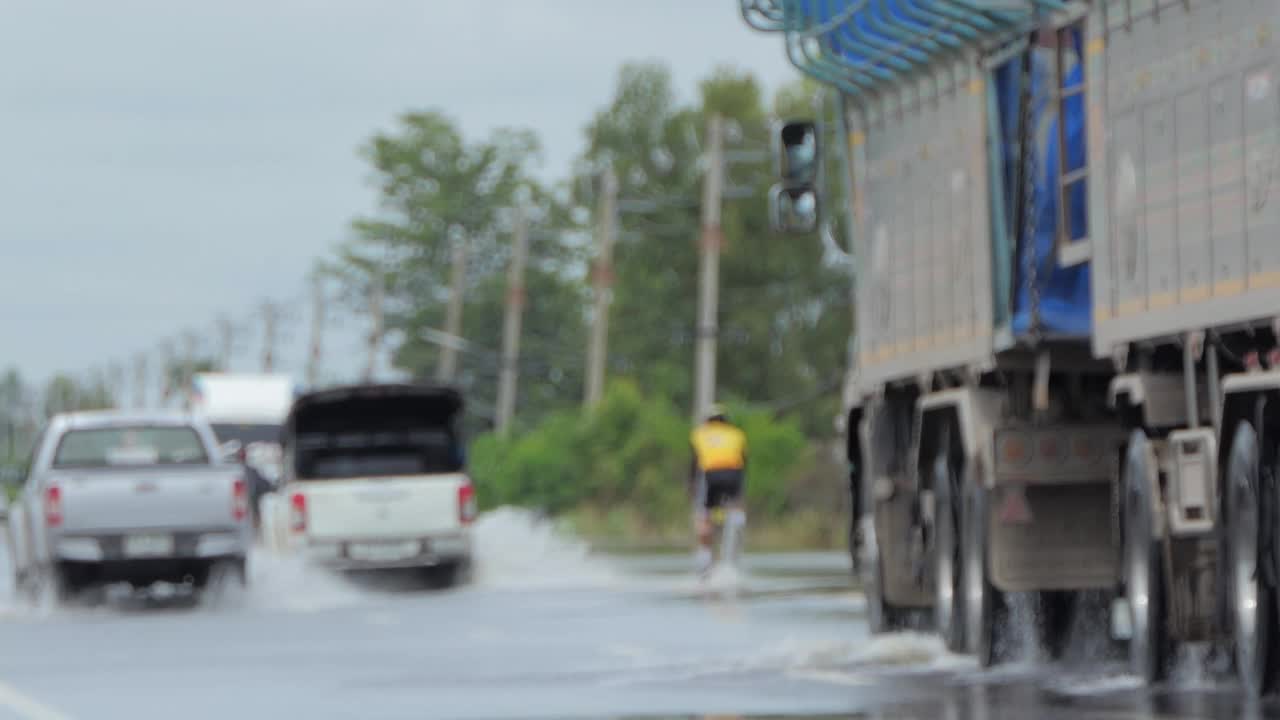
<point x="114" y="497"/>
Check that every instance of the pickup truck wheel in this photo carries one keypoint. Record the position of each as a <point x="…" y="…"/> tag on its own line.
<point x="224" y="583"/>
<point x="1251" y="597"/>
<point x="948" y="609"/>
<point x="448" y="574"/>
<point x="464" y="573"/>
<point x="1149" y="645"/>
<point x="48" y="587"/>
<point x="93" y="595"/>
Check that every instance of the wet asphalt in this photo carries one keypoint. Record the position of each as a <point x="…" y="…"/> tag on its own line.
<point x="547" y="630"/>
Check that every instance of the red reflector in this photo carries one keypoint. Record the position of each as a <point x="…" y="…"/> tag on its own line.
<point x="466" y="503"/>
<point x="298" y="512"/>
<point x="53" y="506"/>
<point x="1015" y="510"/>
<point x="239" y="499"/>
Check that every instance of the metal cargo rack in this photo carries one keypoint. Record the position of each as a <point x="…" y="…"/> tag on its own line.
<point x="864" y="47"/>
<point x="911" y="73"/>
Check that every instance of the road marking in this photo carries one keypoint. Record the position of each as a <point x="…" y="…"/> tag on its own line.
<point x="26" y="706"/>
<point x="831" y="677"/>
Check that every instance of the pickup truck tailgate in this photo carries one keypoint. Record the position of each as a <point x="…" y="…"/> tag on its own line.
<point x="147" y="498"/>
<point x="382" y="507"/>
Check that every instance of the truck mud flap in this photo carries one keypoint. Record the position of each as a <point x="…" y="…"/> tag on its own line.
<point x="1053" y="537"/>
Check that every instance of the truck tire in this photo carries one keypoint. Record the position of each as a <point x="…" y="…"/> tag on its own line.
<point x="882" y="616"/>
<point x="1252" y="599"/>
<point x="948" y="606"/>
<point x="982" y="602"/>
<point x="1149" y="647"/>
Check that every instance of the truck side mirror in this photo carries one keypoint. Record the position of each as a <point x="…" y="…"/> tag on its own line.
<point x="793" y="210"/>
<point x="798" y="154"/>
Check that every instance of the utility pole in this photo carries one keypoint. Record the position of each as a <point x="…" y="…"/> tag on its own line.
<point x="168" y="359"/>
<point x="226" y="342"/>
<point x="115" y="384"/>
<point x="376" y="329"/>
<point x="511" y="322"/>
<point x="317" y="332"/>
<point x="709" y="270"/>
<point x="448" y="366"/>
<point x="140" y="381"/>
<point x="270" y="316"/>
<point x="602" y="282"/>
<point x="189" y="341"/>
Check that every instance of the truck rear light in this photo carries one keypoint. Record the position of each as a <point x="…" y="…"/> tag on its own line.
<point x="298" y="512"/>
<point x="53" y="506"/>
<point x="239" y="499"/>
<point x="1050" y="449"/>
<point x="466" y="503"/>
<point x="1012" y="448"/>
<point x="1084" y="447"/>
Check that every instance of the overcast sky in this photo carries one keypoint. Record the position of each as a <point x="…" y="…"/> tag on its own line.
<point x="165" y="161"/>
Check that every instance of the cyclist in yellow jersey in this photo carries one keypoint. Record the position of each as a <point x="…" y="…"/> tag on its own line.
<point x="716" y="484"/>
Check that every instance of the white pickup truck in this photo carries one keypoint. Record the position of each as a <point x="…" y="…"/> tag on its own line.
<point x="374" y="478"/>
<point x="127" y="497"/>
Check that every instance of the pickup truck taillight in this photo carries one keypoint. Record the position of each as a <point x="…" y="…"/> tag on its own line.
<point x="239" y="499"/>
<point x="53" y="506"/>
<point x="298" y="512"/>
<point x="466" y="503"/>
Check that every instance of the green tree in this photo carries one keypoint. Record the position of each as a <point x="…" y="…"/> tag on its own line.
<point x="17" y="426"/>
<point x="652" y="144"/>
<point x="784" y="304"/>
<point x="437" y="188"/>
<point x="64" y="393"/>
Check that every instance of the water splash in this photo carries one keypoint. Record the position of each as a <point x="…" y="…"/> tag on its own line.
<point x="515" y="549"/>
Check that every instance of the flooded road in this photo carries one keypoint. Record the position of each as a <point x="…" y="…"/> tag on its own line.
<point x="549" y="631"/>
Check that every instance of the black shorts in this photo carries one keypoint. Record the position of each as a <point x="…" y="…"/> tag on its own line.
<point x="720" y="487"/>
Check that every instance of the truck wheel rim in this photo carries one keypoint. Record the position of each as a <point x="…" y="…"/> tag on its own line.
<point x="946" y="579"/>
<point x="977" y="601"/>
<point x="1245" y="590"/>
<point x="1249" y="614"/>
<point x="1142" y="645"/>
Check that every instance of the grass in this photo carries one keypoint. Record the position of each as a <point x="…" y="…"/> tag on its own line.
<point x="625" y="530"/>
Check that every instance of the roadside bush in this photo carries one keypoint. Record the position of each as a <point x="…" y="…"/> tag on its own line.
<point x="632" y="451"/>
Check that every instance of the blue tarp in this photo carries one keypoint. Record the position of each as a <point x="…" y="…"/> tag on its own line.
<point x="887" y="40"/>
<point x="1064" y="303"/>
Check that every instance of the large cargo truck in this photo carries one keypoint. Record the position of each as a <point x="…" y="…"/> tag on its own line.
<point x="1066" y="377"/>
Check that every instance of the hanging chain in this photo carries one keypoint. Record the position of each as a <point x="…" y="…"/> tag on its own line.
<point x="1028" y="149"/>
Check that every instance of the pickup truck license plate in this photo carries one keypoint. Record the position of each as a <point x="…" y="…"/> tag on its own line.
<point x="384" y="552"/>
<point x="148" y="545"/>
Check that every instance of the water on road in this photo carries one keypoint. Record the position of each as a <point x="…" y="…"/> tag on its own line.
<point x="546" y="630"/>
